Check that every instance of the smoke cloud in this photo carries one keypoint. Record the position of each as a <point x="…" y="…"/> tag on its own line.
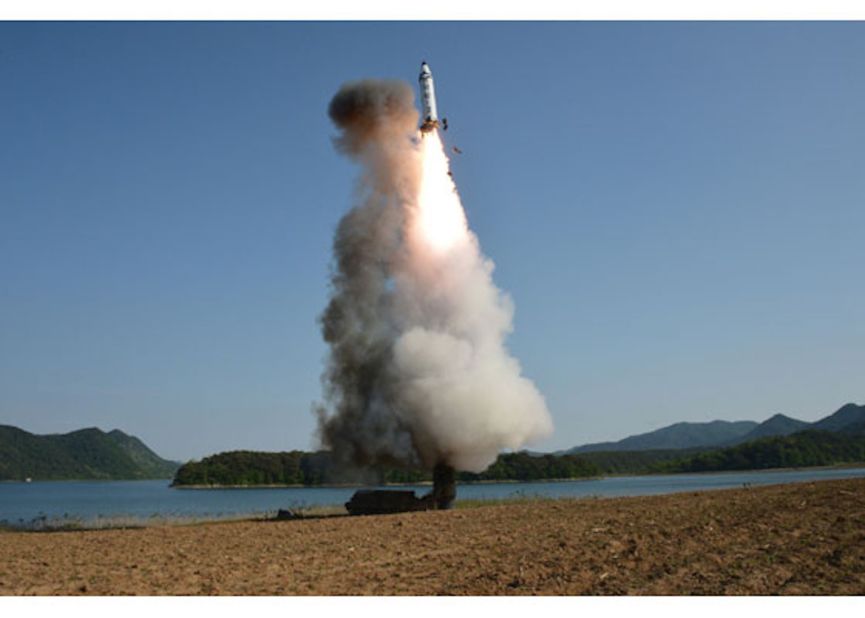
<point x="418" y="372"/>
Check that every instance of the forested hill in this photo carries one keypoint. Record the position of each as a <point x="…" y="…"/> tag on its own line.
<point x="86" y="454"/>
<point x="805" y="449"/>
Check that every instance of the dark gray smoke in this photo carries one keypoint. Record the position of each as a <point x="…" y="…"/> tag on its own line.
<point x="418" y="374"/>
<point x="372" y="110"/>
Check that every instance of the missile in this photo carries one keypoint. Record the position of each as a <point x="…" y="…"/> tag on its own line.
<point x="429" y="117"/>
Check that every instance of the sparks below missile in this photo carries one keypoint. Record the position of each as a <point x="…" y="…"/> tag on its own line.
<point x="429" y="116"/>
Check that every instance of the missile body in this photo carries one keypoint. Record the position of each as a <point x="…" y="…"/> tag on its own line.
<point x="429" y="116"/>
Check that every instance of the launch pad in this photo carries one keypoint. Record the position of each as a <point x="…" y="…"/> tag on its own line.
<point x="383" y="501"/>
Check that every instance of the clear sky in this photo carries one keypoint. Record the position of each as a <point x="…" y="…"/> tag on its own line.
<point x="676" y="209"/>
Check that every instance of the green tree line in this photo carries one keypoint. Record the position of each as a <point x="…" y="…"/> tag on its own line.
<point x="799" y="450"/>
<point x="302" y="468"/>
<point x="524" y="467"/>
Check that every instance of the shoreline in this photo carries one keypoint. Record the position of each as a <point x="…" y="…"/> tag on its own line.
<point x="844" y="466"/>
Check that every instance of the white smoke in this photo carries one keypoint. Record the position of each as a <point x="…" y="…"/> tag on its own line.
<point x="418" y="372"/>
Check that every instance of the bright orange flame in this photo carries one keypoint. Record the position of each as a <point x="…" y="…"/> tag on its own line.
<point x="441" y="220"/>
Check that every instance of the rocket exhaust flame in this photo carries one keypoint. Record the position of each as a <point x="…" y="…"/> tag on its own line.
<point x="440" y="221"/>
<point x="418" y="372"/>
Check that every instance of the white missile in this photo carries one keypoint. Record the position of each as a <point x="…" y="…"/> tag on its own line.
<point x="429" y="116"/>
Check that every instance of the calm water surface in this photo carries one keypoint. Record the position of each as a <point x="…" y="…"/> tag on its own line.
<point x="88" y="501"/>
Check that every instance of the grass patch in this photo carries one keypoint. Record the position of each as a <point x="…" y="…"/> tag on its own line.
<point x="516" y="498"/>
<point x="324" y="510"/>
<point x="68" y="523"/>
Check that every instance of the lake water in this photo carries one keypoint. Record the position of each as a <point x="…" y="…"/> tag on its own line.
<point x="91" y="501"/>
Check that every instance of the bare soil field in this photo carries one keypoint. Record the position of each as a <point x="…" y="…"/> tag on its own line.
<point x="787" y="539"/>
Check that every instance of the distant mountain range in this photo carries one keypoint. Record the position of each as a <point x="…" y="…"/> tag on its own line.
<point x="80" y="455"/>
<point x="676" y="436"/>
<point x="717" y="434"/>
<point x="848" y="418"/>
<point x="778" y="425"/>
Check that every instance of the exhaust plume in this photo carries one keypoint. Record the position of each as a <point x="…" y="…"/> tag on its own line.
<point x="418" y="372"/>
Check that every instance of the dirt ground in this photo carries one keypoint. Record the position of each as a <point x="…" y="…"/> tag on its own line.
<point x="786" y="539"/>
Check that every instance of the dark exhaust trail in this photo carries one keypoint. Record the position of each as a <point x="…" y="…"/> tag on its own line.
<point x="444" y="486"/>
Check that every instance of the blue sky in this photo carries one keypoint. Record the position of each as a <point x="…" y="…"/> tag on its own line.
<point x="676" y="209"/>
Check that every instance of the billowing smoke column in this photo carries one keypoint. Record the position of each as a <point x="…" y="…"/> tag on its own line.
<point x="418" y="373"/>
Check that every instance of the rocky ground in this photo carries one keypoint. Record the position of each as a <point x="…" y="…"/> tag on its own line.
<point x="786" y="539"/>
